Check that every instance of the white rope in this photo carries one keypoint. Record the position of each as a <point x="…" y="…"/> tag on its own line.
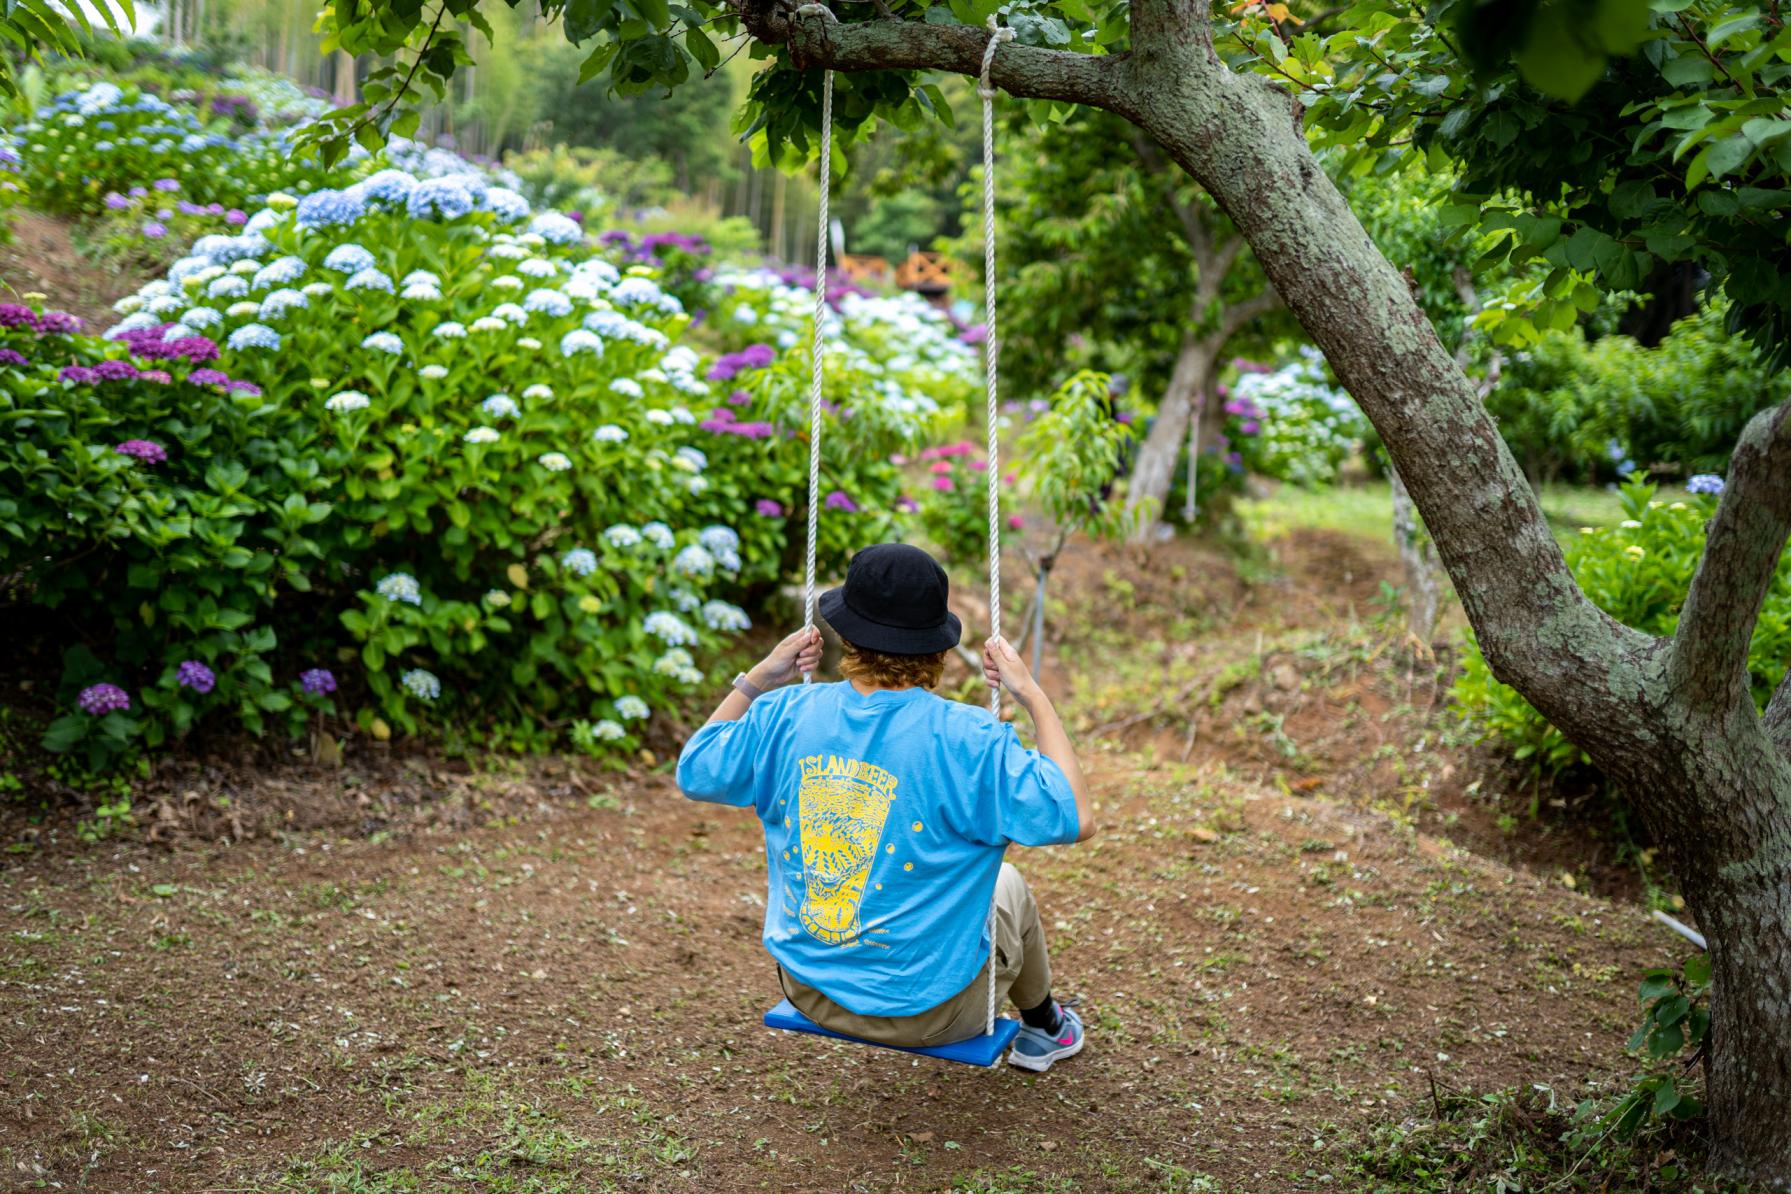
<point x="815" y="367"/>
<point x="991" y="375"/>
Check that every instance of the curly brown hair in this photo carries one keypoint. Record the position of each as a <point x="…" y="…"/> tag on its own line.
<point x="891" y="671"/>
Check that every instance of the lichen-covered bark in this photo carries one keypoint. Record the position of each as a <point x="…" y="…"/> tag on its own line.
<point x="1741" y="554"/>
<point x="1712" y="784"/>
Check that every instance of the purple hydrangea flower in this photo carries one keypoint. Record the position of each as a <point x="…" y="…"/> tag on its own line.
<point x="144" y="450"/>
<point x="11" y="357"/>
<point x="236" y="216"/>
<point x="114" y="371"/>
<point x="101" y="699"/>
<point x="196" y="676"/>
<point x="58" y="323"/>
<point x="116" y="202"/>
<point x="17" y="315"/>
<point x="166" y="184"/>
<point x="245" y="387"/>
<point x="768" y="508"/>
<point x="1708" y="483"/>
<point x="209" y="377"/>
<point x="317" y="681"/>
<point x="837" y="500"/>
<point x="78" y="374"/>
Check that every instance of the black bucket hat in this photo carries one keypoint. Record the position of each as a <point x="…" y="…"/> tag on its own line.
<point x="893" y="601"/>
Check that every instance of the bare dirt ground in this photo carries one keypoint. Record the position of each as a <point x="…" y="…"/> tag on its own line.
<point x="538" y="976"/>
<point x="42" y="258"/>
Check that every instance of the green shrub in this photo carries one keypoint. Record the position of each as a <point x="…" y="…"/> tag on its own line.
<point x="1576" y="411"/>
<point x="1638" y="572"/>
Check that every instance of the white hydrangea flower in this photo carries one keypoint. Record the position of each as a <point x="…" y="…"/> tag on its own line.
<point x="609" y="433"/>
<point x="622" y="535"/>
<point x="631" y="708"/>
<point x="348" y="400"/>
<point x="719" y="615"/>
<point x="481" y="435"/>
<point x="400" y="586"/>
<point x="627" y="387"/>
<point x="669" y="628"/>
<point x="433" y="372"/>
<point x="554" y="462"/>
<point x="538" y="393"/>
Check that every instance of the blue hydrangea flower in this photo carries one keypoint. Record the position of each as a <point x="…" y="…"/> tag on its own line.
<point x="450" y="330"/>
<point x="385" y="342"/>
<point x="201" y="317"/>
<point x="692" y="460"/>
<point x="669" y="629"/>
<point x="321" y="209"/>
<point x="369" y="279"/>
<point x="254" y="335"/>
<point x="685" y="600"/>
<point x="422" y="277"/>
<point x="609" y="433"/>
<point x="510" y="313"/>
<point x="631" y="708"/>
<point x="693" y="561"/>
<point x="719" y="615"/>
<point x="505" y="204"/>
<point x="556" y="229"/>
<point x="719" y="539"/>
<point x="228" y="286"/>
<point x="659" y="535"/>
<point x="279" y="302"/>
<point x="537" y="267"/>
<point x="627" y="387"/>
<point x="349" y="259"/>
<point x="580" y="561"/>
<point x="283" y="271"/>
<point x="446" y="198"/>
<point x="499" y="406"/>
<point x="548" y="302"/>
<point x="578" y="340"/>
<point x="1708" y="483"/>
<point x="421" y="684"/>
<point x="387" y="188"/>
<point x="622" y="535"/>
<point x="400" y="586"/>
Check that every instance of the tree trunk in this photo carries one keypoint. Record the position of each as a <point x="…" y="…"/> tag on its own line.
<point x="1671" y="720"/>
<point x="1154" y="470"/>
<point x="1419" y="558"/>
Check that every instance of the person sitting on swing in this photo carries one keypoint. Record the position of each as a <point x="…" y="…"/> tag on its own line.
<point x="886" y="811"/>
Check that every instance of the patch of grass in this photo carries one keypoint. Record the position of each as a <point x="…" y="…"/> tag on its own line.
<point x="1524" y="1139"/>
<point x="1367" y="510"/>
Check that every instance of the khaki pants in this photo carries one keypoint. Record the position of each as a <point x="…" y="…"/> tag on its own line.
<point x="1022" y="974"/>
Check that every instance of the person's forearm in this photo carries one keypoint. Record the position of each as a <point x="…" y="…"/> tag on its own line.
<point x="1054" y="744"/>
<point x="734" y="706"/>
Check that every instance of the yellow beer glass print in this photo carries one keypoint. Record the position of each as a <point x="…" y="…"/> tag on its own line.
<point x="842" y="804"/>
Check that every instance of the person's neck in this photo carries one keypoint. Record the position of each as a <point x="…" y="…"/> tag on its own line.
<point x="864" y="688"/>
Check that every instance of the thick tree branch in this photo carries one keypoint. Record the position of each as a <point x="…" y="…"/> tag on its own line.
<point x="1741" y="553"/>
<point x="1239" y="138"/>
<point x="1240" y="314"/>
<point x="816" y="40"/>
<point x="1778" y="718"/>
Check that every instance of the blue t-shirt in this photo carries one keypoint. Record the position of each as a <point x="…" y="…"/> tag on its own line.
<point x="886" y="816"/>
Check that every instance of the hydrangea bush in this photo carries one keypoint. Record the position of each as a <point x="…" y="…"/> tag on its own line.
<point x="413" y="446"/>
<point x="1639" y="572"/>
<point x="106" y="139"/>
<point x="1291" y="423"/>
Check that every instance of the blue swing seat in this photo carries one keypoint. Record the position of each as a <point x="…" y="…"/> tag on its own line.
<point x="984" y="1050"/>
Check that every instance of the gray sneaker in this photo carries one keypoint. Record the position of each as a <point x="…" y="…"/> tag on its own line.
<point x="1035" y="1049"/>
